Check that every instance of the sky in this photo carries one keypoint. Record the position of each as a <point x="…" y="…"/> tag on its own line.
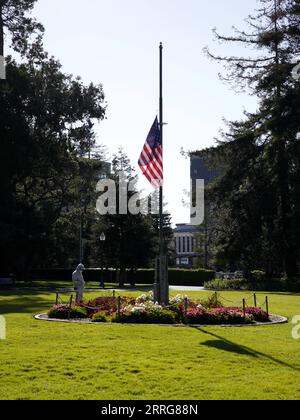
<point x="116" y="43"/>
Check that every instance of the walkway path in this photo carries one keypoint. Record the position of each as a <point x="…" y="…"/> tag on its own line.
<point x="187" y="288"/>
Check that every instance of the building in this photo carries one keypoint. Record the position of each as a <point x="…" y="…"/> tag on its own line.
<point x="185" y="235"/>
<point x="185" y="245"/>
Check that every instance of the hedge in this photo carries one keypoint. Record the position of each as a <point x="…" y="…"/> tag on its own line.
<point x="62" y="274"/>
<point x="177" y="276"/>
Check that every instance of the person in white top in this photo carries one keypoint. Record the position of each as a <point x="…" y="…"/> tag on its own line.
<point x="78" y="282"/>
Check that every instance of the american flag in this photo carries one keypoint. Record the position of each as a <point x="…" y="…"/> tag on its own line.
<point x="151" y="159"/>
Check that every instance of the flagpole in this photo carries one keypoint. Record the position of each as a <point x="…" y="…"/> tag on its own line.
<point x="163" y="264"/>
<point x="161" y="235"/>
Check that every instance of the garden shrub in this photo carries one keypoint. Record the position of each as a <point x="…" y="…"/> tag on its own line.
<point x="258" y="276"/>
<point x="258" y="314"/>
<point x="212" y="302"/>
<point x="163" y="316"/>
<point x="227" y="284"/>
<point x="179" y="304"/>
<point x="100" y="317"/>
<point x="108" y="304"/>
<point x="143" y="310"/>
<point x="217" y="316"/>
<point x="64" y="312"/>
<point x="177" y="276"/>
<point x="185" y="277"/>
<point x="266" y="285"/>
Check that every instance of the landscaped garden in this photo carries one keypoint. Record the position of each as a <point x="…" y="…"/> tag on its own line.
<point x="50" y="360"/>
<point x="143" y="310"/>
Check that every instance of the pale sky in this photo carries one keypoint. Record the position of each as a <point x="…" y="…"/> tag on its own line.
<point x="115" y="42"/>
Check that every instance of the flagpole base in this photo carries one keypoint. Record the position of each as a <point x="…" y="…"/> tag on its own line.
<point x="161" y="285"/>
<point x="156" y="292"/>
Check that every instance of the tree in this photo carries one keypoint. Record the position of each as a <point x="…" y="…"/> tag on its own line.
<point x="130" y="239"/>
<point x="169" y="244"/>
<point x="46" y="122"/>
<point x="258" y="196"/>
<point x="78" y="218"/>
<point x="19" y="26"/>
<point x="205" y="241"/>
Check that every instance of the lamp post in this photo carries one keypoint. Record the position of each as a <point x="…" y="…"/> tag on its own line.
<point x="102" y="240"/>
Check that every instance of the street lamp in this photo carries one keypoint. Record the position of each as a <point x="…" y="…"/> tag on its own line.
<point x="102" y="240"/>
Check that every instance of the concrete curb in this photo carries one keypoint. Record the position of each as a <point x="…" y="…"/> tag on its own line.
<point x="275" y="320"/>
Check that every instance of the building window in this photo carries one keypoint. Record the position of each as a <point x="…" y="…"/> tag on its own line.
<point x="184" y="247"/>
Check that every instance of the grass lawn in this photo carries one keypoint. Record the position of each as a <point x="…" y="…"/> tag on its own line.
<point x="43" y="360"/>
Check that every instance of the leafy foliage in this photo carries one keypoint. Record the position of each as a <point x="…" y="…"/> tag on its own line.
<point x="269" y="284"/>
<point x="100" y="317"/>
<point x="182" y="309"/>
<point x="218" y="316"/>
<point x="176" y="276"/>
<point x="65" y="312"/>
<point x="130" y="239"/>
<point x="256" y="201"/>
<point x="46" y="123"/>
<point x="15" y="20"/>
<point x="228" y="284"/>
<point x="146" y="317"/>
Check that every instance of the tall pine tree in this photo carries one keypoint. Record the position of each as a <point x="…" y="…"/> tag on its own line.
<point x="258" y="196"/>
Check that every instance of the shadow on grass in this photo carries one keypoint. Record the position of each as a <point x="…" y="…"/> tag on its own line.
<point x="25" y="303"/>
<point x="224" y="344"/>
<point x="229" y="347"/>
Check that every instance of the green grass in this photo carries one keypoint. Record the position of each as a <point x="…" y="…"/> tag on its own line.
<point x="43" y="360"/>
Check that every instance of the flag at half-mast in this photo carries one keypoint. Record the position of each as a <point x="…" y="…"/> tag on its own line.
<point x="151" y="159"/>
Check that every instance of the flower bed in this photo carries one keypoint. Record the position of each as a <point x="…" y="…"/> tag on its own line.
<point x="217" y="316"/>
<point x="65" y="312"/>
<point x="106" y="304"/>
<point x="143" y="310"/>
